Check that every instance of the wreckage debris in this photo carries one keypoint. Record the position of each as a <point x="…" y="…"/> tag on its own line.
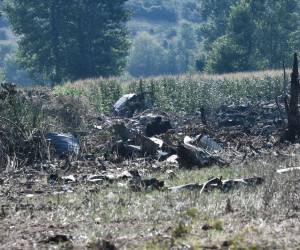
<point x="218" y="184"/>
<point x="126" y="151"/>
<point x="287" y="170"/>
<point x="111" y="178"/>
<point x="97" y="179"/>
<point x="139" y="184"/>
<point x="134" y="144"/>
<point x="122" y="131"/>
<point x="215" y="183"/>
<point x="190" y="155"/>
<point x="146" y="137"/>
<point x="189" y="187"/>
<point x="209" y="144"/>
<point x="172" y="159"/>
<point x="68" y="179"/>
<point x="157" y="126"/>
<point x="148" y="146"/>
<point x="57" y="239"/>
<point x="228" y="185"/>
<point x="255" y="118"/>
<point x="63" y="143"/>
<point x="128" y="104"/>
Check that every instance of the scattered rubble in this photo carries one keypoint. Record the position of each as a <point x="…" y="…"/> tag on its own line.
<point x="218" y="183"/>
<point x="287" y="170"/>
<point x="128" y="104"/>
<point x="119" y="148"/>
<point x="63" y="143"/>
<point x="256" y="119"/>
<point x="157" y="126"/>
<point x="57" y="239"/>
<point x="190" y="155"/>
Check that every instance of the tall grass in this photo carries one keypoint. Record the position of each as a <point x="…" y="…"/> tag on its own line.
<point x="101" y="93"/>
<point x="186" y="93"/>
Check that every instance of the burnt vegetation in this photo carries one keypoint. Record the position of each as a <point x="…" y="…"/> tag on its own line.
<point x="119" y="150"/>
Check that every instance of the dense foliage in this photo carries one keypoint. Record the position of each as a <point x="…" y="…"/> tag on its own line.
<point x="169" y="27"/>
<point x="223" y="36"/>
<point x="249" y="35"/>
<point x="167" y="37"/>
<point x="59" y="41"/>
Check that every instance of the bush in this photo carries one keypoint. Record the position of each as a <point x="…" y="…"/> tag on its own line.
<point x="13" y="73"/>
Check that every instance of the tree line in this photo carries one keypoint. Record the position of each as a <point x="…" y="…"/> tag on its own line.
<point x="242" y="35"/>
<point x="68" y="40"/>
<point x="233" y="35"/>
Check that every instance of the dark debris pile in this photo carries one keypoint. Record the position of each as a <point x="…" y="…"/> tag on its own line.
<point x="139" y="139"/>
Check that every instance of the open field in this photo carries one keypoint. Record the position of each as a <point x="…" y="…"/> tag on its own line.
<point x="86" y="201"/>
<point x="263" y="218"/>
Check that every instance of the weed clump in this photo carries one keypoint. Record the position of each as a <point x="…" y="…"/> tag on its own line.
<point x="21" y="127"/>
<point x="180" y="230"/>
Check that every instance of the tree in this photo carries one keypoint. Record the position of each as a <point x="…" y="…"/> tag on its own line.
<point x="215" y="14"/>
<point x="236" y="50"/>
<point x="256" y="35"/>
<point x="277" y="21"/>
<point x="224" y="56"/>
<point x="147" y="58"/>
<point x="70" y="40"/>
<point x="12" y="73"/>
<point x="181" y="51"/>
